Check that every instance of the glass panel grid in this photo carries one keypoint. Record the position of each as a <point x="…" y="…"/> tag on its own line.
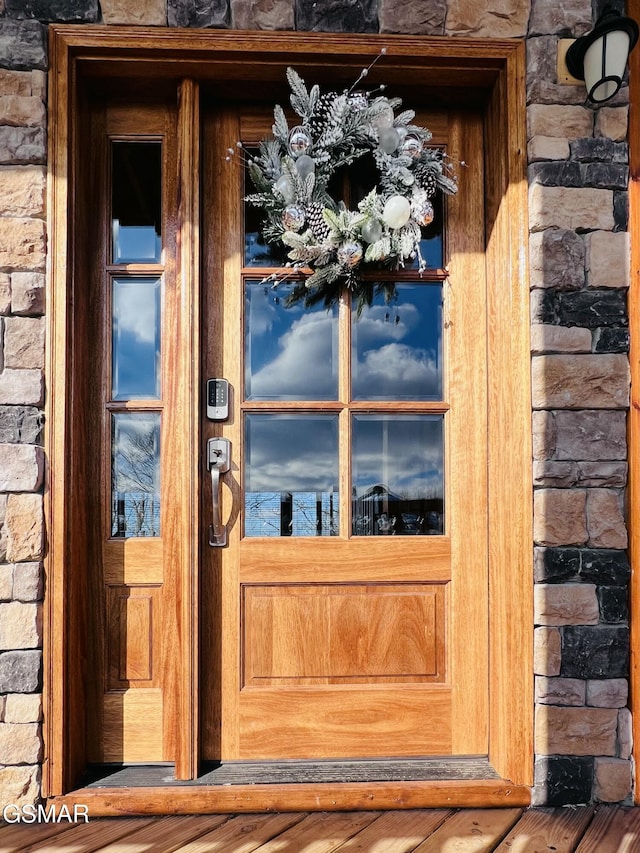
<point x="291" y="352"/>
<point x="136" y="338"/>
<point x="135" y="475"/>
<point x="291" y="475"/>
<point x="136" y="201"/>
<point x="396" y="345"/>
<point x="397" y="474"/>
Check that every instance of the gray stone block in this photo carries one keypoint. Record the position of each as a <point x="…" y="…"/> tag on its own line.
<point x="337" y="16"/>
<point x="199" y="13"/>
<point x="23" y="45"/>
<point x="20" y="425"/>
<point x="20" y="671"/>
<point x="70" y="11"/>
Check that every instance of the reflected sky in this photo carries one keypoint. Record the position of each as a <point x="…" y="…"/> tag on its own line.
<point x="136" y="338"/>
<point x="397" y="347"/>
<point x="291" y="453"/>
<point x="136" y="201"/>
<point x="290" y="352"/>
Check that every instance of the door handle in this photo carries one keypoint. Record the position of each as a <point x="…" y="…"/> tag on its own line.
<point x="219" y="462"/>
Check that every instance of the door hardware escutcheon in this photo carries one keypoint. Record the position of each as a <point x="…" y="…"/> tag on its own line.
<point x="218" y="462"/>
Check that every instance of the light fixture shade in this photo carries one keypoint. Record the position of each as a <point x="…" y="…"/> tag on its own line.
<point x="604" y="64"/>
<point x="600" y="57"/>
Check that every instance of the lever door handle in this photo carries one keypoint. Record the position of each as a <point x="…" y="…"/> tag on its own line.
<point x="219" y="462"/>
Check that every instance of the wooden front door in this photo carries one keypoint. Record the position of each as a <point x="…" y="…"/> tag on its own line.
<point x="348" y="614"/>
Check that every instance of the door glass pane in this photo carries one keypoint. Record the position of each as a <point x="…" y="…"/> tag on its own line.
<point x="135" y="475"/>
<point x="136" y="338"/>
<point x="136" y="201"/>
<point x="398" y="475"/>
<point x="397" y="346"/>
<point x="291" y="475"/>
<point x="290" y="351"/>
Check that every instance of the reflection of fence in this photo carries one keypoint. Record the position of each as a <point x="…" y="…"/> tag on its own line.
<point x="379" y="512"/>
<point x="135" y="514"/>
<point x="291" y="514"/>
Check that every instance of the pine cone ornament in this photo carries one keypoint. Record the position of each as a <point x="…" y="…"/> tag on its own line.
<point x="316" y="124"/>
<point x="427" y="180"/>
<point x="316" y="222"/>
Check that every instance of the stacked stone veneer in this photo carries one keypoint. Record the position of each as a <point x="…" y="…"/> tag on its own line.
<point x="579" y="260"/>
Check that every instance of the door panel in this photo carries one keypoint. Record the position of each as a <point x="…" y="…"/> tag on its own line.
<point x="132" y="293"/>
<point x="337" y="620"/>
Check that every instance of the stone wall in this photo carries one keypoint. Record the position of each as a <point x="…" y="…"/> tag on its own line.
<point x="579" y="276"/>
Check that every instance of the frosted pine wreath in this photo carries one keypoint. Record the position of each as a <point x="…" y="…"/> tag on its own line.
<point x="291" y="175"/>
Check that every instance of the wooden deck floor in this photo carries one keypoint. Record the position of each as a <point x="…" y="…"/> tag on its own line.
<point x="602" y="829"/>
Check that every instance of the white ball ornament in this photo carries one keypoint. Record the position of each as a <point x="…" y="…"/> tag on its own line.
<point x="388" y="139"/>
<point x="396" y="212"/>
<point x="305" y="165"/>
<point x="284" y="186"/>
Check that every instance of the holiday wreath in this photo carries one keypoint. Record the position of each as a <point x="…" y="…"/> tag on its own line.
<point x="291" y="174"/>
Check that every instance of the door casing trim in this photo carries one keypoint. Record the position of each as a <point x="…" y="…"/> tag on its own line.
<point x="165" y="57"/>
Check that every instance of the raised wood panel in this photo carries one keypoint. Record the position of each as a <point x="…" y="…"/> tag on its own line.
<point x="337" y="722"/>
<point x="132" y="726"/>
<point x="343" y="634"/>
<point x="131" y="613"/>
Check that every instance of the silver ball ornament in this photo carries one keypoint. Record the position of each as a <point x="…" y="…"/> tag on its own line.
<point x="299" y="141"/>
<point x="358" y="101"/>
<point x="350" y="254"/>
<point x="284" y="186"/>
<point x="293" y="217"/>
<point x="422" y="209"/>
<point x="371" y="231"/>
<point x="305" y="165"/>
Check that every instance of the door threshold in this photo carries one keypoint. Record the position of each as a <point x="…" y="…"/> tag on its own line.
<point x="291" y="772"/>
<point x="152" y="791"/>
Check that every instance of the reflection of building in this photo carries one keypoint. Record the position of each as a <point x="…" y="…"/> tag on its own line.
<point x="381" y="512"/>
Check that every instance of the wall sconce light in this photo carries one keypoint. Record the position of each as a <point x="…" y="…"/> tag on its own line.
<point x="600" y="57"/>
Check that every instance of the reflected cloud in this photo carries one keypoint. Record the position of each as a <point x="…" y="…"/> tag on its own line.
<point x="399" y="369"/>
<point x="304" y="367"/>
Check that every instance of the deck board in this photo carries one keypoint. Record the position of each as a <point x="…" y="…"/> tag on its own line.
<point x="585" y="829"/>
<point x="547" y="829"/>
<point x="613" y="830"/>
<point x="471" y="831"/>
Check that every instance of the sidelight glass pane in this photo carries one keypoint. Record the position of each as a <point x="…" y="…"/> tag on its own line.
<point x="136" y="338"/>
<point x="291" y="475"/>
<point x="398" y="475"/>
<point x="135" y="475"/>
<point x="397" y="346"/>
<point x="136" y="201"/>
<point x="291" y="352"/>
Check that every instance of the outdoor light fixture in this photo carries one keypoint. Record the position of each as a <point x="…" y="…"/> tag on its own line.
<point x="600" y="57"/>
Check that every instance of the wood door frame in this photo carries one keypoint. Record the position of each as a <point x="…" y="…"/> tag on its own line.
<point x="496" y="71"/>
